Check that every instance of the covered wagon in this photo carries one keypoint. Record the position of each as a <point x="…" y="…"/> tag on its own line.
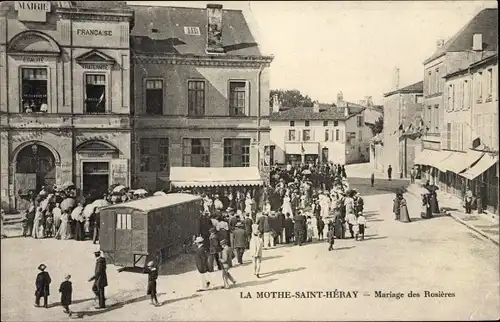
<point x="154" y="228"/>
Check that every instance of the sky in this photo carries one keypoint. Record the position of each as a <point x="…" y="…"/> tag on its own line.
<point x="323" y="47"/>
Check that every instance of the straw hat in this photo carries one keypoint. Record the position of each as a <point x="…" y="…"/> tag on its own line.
<point x="199" y="240"/>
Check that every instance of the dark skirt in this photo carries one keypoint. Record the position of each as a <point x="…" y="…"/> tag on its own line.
<point x="151" y="288"/>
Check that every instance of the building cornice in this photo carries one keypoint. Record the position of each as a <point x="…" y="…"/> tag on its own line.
<point x="218" y="61"/>
<point x="71" y="14"/>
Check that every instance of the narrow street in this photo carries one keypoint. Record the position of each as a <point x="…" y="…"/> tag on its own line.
<point x="437" y="255"/>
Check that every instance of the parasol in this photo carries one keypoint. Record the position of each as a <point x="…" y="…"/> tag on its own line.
<point x="140" y="192"/>
<point x="100" y="203"/>
<point x="159" y="193"/>
<point x="88" y="210"/>
<point x="118" y="188"/>
<point x="306" y="171"/>
<point x="67" y="203"/>
<point x="422" y="191"/>
<point x="76" y="212"/>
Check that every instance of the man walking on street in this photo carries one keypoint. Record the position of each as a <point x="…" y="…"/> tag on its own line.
<point x="240" y="241"/>
<point x="389" y="172"/>
<point x="248" y="229"/>
<point x="265" y="230"/>
<point x="256" y="245"/>
<point x="100" y="279"/>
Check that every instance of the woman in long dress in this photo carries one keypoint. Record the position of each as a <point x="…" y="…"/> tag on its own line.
<point x="64" y="232"/>
<point x="339" y="228"/>
<point x="287" y="206"/>
<point x="404" y="216"/>
<point x="37" y="223"/>
<point x="426" y="207"/>
<point x="248" y="204"/>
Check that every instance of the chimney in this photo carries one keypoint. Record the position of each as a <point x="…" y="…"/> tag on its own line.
<point x="214" y="29"/>
<point x="346" y="111"/>
<point x="340" y="99"/>
<point x="439" y="43"/>
<point x="276" y="103"/>
<point x="477" y="42"/>
<point x="368" y="101"/>
<point x="396" y="78"/>
<point x="316" y="107"/>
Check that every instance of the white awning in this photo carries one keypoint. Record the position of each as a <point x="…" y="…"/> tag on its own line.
<point x="457" y="162"/>
<point x="421" y="158"/>
<point x="481" y="166"/>
<point x="311" y="148"/>
<point x="214" y="177"/>
<point x="437" y="158"/>
<point x="293" y="148"/>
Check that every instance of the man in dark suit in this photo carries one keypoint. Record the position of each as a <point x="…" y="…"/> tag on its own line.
<point x="288" y="228"/>
<point x="203" y="225"/>
<point x="233" y="220"/>
<point x="299" y="228"/>
<point x="42" y="283"/>
<point x="100" y="279"/>
<point x="240" y="241"/>
<point x="280" y="226"/>
<point x="248" y="228"/>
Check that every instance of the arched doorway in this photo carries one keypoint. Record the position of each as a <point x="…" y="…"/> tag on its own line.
<point x="35" y="167"/>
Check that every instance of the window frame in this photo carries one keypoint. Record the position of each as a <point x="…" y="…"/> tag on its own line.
<point x="307" y="123"/>
<point x="489" y="79"/>
<point x="335" y="123"/>
<point x="304" y="137"/>
<point x="244" y="164"/>
<point x="184" y="154"/>
<point x="20" y="79"/>
<point x="325" y="123"/>
<point x="294" y="135"/>
<point x="121" y="219"/>
<point x="246" y="109"/>
<point x="189" y="114"/>
<point x="359" y="120"/>
<point x="106" y="92"/>
<point x="292" y="123"/>
<point x="146" y="94"/>
<point x="327" y="135"/>
<point x="152" y="156"/>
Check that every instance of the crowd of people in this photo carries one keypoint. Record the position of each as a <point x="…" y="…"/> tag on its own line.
<point x="300" y="204"/>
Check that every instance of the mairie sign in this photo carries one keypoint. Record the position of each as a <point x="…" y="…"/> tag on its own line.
<point x="33" y="11"/>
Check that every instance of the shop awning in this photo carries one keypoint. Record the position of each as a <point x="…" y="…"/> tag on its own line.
<point x="437" y="158"/>
<point x="458" y="161"/>
<point x="481" y="166"/>
<point x="421" y="158"/>
<point x="293" y="148"/>
<point x="214" y="177"/>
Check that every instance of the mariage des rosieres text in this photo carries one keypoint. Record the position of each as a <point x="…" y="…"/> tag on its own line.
<point x="339" y="294"/>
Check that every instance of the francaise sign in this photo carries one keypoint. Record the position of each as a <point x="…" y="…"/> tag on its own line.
<point x="33" y="11"/>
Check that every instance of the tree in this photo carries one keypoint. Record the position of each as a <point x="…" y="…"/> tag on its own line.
<point x="291" y="98"/>
<point x="378" y="127"/>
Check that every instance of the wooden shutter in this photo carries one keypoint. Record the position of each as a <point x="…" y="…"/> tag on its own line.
<point x="247" y="98"/>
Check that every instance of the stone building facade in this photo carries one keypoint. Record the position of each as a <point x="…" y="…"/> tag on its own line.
<point x="402" y="112"/>
<point x="64" y="96"/>
<point x="201" y="98"/>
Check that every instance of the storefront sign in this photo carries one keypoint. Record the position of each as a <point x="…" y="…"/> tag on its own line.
<point x="94" y="32"/>
<point x="32" y="59"/>
<point x="35" y="11"/>
<point x="95" y="66"/>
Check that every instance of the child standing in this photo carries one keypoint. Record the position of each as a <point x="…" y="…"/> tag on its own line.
<point x="152" y="277"/>
<point x="331" y="236"/>
<point x="66" y="290"/>
<point x="361" y="226"/>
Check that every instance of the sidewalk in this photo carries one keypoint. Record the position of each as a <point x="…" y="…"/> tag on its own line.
<point x="484" y="224"/>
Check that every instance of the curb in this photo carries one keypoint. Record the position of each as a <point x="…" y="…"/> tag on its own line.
<point x="466" y="224"/>
<point x="477" y="230"/>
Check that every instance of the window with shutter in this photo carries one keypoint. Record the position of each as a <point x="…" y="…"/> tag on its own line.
<point x="154" y="96"/>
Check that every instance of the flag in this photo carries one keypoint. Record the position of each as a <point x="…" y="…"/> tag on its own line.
<point x="302" y="147"/>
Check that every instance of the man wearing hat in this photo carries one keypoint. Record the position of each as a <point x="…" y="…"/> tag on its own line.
<point x="42" y="283"/>
<point x="201" y="258"/>
<point x="100" y="279"/>
<point x="240" y="241"/>
<point x="214" y="250"/>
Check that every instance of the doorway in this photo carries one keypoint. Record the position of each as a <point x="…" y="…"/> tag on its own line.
<point x="324" y="155"/>
<point x="95" y="180"/>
